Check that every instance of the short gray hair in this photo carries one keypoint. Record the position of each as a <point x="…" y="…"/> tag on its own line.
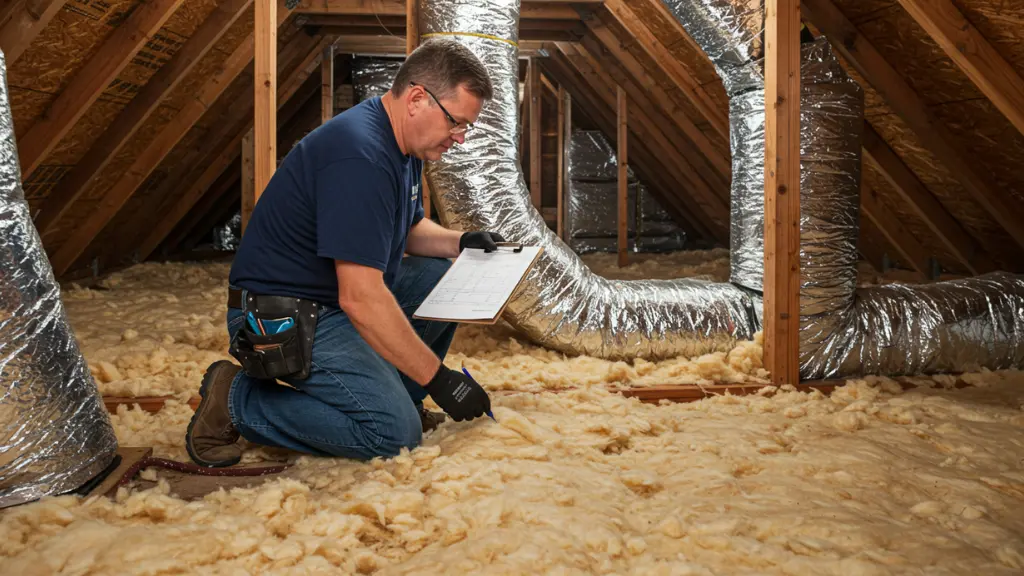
<point x="441" y="65"/>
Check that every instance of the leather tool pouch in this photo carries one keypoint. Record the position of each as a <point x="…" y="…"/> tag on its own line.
<point x="285" y="354"/>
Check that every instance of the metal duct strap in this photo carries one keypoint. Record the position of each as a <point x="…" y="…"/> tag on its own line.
<point x="372" y="77"/>
<point x="562" y="304"/>
<point x="55" y="433"/>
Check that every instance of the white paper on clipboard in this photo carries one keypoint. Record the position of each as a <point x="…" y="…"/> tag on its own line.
<point x="477" y="286"/>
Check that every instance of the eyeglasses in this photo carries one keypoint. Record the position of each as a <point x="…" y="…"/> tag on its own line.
<point x="456" y="127"/>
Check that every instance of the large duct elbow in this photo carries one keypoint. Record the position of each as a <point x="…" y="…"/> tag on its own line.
<point x="893" y="330"/>
<point x="562" y="304"/>
<point x="55" y="433"/>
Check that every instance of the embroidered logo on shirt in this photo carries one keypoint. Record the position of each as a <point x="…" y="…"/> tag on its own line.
<point x="415" y="193"/>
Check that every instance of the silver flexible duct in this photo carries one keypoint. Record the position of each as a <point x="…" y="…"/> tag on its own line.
<point x="894" y="330"/>
<point x="562" y="304"/>
<point x="372" y="76"/>
<point x="55" y="433"/>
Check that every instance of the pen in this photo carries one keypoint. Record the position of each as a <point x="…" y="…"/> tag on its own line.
<point x="466" y="372"/>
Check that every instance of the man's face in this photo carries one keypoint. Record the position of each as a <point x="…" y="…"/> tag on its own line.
<point x="430" y="129"/>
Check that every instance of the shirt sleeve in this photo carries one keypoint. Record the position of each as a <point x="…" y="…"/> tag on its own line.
<point x="355" y="213"/>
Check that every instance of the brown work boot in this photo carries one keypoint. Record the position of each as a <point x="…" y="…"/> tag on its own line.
<point x="212" y="440"/>
<point x="430" y="420"/>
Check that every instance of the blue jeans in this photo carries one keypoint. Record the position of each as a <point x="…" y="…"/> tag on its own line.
<point x="354" y="404"/>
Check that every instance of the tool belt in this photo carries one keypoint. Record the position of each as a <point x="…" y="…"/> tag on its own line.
<point x="276" y="336"/>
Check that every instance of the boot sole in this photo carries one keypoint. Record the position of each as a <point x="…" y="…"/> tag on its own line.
<point x="204" y="388"/>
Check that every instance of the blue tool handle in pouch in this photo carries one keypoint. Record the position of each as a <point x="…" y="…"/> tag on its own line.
<point x="466" y="372"/>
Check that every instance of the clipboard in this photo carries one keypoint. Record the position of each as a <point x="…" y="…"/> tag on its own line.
<point x="478" y="286"/>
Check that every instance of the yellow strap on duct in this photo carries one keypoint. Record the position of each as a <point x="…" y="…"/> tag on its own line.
<point x="474" y="34"/>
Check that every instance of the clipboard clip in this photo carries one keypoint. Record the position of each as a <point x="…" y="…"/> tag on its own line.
<point x="517" y="247"/>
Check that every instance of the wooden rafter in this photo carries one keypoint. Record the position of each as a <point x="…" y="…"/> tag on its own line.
<point x="21" y="21"/>
<point x="557" y="9"/>
<point x="90" y="81"/>
<point x="152" y="156"/>
<point x="248" y="188"/>
<point x="177" y="239"/>
<point x="660" y="169"/>
<point x="135" y="114"/>
<point x="933" y="135"/>
<point x="707" y="170"/>
<point x="224" y="156"/>
<point x="686" y="83"/>
<point x="649" y="120"/>
<point x="613" y="43"/>
<point x="932" y="213"/>
<point x="969" y="49"/>
<point x="909" y="249"/>
<point x="782" y="191"/>
<point x="564" y="131"/>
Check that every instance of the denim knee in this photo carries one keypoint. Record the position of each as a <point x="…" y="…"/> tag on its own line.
<point x="398" y="434"/>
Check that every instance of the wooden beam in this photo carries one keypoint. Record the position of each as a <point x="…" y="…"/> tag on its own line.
<point x="564" y="133"/>
<point x="708" y="169"/>
<point x="661" y="167"/>
<point x="148" y="160"/>
<point x="557" y="9"/>
<point x="90" y="81"/>
<point x="664" y="166"/>
<point x="714" y="202"/>
<point x="535" y="127"/>
<point x="223" y="156"/>
<point x="135" y="114"/>
<point x="248" y="179"/>
<point x="685" y="83"/>
<point x="949" y="232"/>
<point x="327" y="85"/>
<point x="21" y="21"/>
<point x="623" y="176"/>
<point x="608" y="40"/>
<point x="412" y="40"/>
<point x="910" y="250"/>
<point x="962" y="42"/>
<point x="933" y="135"/>
<point x="265" y="95"/>
<point x="782" y="192"/>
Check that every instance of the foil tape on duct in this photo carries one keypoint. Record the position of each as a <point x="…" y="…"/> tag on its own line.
<point x="372" y="77"/>
<point x="55" y="433"/>
<point x="562" y="304"/>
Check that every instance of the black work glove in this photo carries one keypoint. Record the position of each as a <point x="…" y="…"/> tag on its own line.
<point x="458" y="395"/>
<point x="485" y="240"/>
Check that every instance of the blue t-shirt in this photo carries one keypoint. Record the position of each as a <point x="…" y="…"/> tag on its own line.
<point x="345" y="192"/>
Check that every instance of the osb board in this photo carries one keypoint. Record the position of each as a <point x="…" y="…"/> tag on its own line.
<point x="129" y="152"/>
<point x="1001" y="22"/>
<point x="670" y="34"/>
<point x="859" y="11"/>
<point x="85" y="132"/>
<point x="210" y="64"/>
<point x="941" y="183"/>
<point x="72" y="37"/>
<point x="993" y="143"/>
<point x="917" y="58"/>
<point x="895" y="204"/>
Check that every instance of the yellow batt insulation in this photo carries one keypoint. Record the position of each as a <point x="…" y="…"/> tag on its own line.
<point x="572" y="479"/>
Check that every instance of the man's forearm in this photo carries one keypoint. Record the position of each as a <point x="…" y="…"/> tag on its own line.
<point x="381" y="322"/>
<point x="428" y="238"/>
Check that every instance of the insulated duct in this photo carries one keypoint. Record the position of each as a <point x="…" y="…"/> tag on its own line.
<point x="55" y="433"/>
<point x="562" y="304"/>
<point x="372" y="76"/>
<point x="894" y="330"/>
